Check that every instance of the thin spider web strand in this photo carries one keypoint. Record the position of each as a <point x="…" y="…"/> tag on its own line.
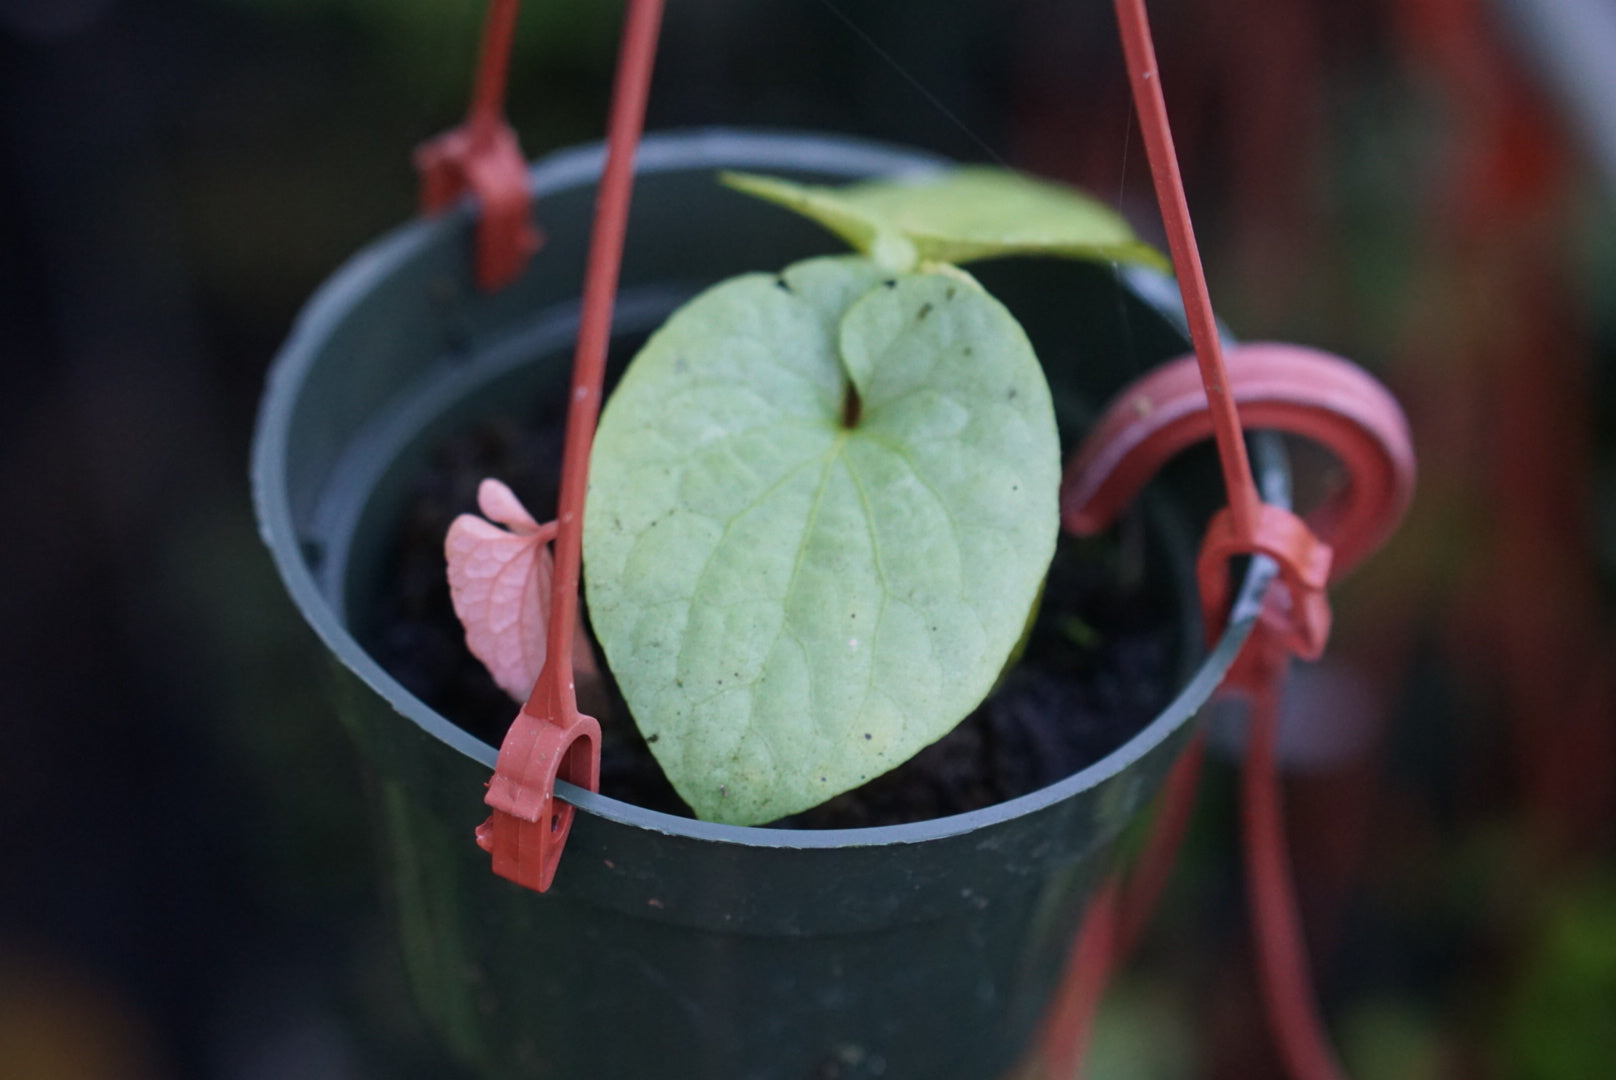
<point x="920" y="88"/>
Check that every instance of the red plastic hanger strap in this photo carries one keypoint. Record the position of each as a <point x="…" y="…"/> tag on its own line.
<point x="482" y="156"/>
<point x="636" y="59"/>
<point x="1115" y="920"/>
<point x="1144" y="80"/>
<point x="1247" y="526"/>
<point x="1296" y="614"/>
<point x="550" y="739"/>
<point x="1314" y="395"/>
<point x="1286" y="980"/>
<point x="1068" y="1023"/>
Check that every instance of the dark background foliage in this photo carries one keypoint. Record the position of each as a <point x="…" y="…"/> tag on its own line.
<point x="185" y="882"/>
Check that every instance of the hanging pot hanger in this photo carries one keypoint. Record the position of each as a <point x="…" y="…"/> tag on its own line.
<point x="1206" y="394"/>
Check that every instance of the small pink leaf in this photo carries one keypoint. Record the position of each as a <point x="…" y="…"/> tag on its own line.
<point x="500" y="583"/>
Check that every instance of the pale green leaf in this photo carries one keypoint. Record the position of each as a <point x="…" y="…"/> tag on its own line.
<point x="866" y="231"/>
<point x="792" y="606"/>
<point x="962" y="214"/>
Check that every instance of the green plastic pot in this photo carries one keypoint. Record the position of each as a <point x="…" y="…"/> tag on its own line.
<point x="670" y="947"/>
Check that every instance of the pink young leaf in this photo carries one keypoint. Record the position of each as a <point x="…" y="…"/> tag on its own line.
<point x="500" y="581"/>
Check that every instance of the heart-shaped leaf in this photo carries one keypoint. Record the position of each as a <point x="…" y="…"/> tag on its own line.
<point x="821" y="508"/>
<point x="957" y="215"/>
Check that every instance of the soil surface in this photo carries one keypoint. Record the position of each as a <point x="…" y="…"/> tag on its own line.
<point x="1099" y="665"/>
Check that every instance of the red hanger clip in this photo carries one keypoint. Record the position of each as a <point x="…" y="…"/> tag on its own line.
<point x="528" y="828"/>
<point x="483" y="157"/>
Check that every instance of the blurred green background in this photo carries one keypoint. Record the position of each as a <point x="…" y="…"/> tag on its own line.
<point x="185" y="878"/>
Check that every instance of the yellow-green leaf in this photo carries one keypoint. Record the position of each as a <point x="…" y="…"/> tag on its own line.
<point x="962" y="214"/>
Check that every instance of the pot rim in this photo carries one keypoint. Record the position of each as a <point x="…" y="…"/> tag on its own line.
<point x="669" y="151"/>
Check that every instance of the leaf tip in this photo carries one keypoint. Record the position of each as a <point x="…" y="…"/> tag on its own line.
<point x="499" y="503"/>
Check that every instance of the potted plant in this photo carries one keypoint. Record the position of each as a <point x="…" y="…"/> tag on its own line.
<point x="670" y="944"/>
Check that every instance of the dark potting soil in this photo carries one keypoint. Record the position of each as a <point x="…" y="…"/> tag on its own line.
<point x="1098" y="666"/>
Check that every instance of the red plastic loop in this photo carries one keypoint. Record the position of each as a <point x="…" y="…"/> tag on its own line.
<point x="1280" y="387"/>
<point x="529" y="826"/>
<point x="482" y="157"/>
